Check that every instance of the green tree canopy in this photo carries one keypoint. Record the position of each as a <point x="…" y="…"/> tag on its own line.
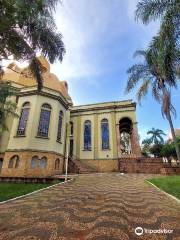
<point x="27" y="28"/>
<point x="7" y="107"/>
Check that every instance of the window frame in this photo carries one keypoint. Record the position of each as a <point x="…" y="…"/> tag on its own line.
<point x="45" y="107"/>
<point x="105" y="121"/>
<point x="25" y="106"/>
<point x="60" y="127"/>
<point x="87" y="148"/>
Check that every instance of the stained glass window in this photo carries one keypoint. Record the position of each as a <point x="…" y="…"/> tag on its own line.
<point x="105" y="134"/>
<point x="44" y="120"/>
<point x="23" y="119"/>
<point x="59" y="132"/>
<point x="87" y="135"/>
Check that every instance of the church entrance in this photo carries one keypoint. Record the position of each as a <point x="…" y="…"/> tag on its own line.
<point x="125" y="129"/>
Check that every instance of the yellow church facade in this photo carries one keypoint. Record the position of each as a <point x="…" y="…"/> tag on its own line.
<point x="50" y="128"/>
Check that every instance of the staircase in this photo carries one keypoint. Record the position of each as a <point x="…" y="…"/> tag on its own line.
<point x="76" y="166"/>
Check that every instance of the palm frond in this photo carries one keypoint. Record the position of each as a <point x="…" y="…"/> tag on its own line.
<point x="141" y="53"/>
<point x="136" y="73"/>
<point x="143" y="89"/>
<point x="148" y="10"/>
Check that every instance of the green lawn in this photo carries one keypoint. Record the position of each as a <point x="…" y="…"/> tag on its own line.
<point x="169" y="184"/>
<point x="12" y="190"/>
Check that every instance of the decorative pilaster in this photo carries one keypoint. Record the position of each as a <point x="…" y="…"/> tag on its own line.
<point x="96" y="136"/>
<point x="118" y="140"/>
<point x="114" y="135"/>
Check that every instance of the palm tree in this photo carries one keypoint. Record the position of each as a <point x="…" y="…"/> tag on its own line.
<point x="7" y="107"/>
<point x="156" y="136"/>
<point x="28" y="28"/>
<point x="167" y="11"/>
<point x="157" y="73"/>
<point x="166" y="51"/>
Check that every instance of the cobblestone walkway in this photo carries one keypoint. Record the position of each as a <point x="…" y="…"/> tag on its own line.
<point x="96" y="206"/>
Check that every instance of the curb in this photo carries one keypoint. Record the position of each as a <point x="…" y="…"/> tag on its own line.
<point x="167" y="194"/>
<point x="31" y="193"/>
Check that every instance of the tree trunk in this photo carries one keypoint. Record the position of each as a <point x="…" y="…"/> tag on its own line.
<point x="173" y="135"/>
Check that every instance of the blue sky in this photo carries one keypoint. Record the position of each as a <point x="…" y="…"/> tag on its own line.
<point x="100" y="38"/>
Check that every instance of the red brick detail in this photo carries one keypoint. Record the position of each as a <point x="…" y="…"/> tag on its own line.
<point x="135" y="141"/>
<point x="140" y="165"/>
<point x="170" y="170"/>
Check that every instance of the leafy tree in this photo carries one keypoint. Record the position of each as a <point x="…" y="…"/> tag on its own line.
<point x="155" y="149"/>
<point x="27" y="28"/>
<point x="168" y="150"/>
<point x="7" y="107"/>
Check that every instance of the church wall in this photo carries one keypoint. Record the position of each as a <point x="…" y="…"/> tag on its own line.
<point x="25" y="169"/>
<point x="31" y="141"/>
<point x="102" y="160"/>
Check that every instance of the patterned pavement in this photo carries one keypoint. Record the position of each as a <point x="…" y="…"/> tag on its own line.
<point x="95" y="206"/>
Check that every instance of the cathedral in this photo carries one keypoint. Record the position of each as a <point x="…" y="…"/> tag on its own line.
<point x="50" y="128"/>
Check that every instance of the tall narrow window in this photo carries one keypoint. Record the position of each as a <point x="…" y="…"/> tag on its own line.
<point x="105" y="134"/>
<point x="59" y="132"/>
<point x="44" y="120"/>
<point x="87" y="135"/>
<point x="23" y="119"/>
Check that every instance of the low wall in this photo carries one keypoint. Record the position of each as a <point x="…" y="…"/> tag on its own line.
<point x="103" y="165"/>
<point x="170" y="170"/>
<point x="141" y="165"/>
<point x="25" y="169"/>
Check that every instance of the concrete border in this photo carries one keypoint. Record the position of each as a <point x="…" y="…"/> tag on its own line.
<point x="167" y="194"/>
<point x="31" y="193"/>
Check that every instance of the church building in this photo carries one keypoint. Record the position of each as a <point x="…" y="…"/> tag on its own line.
<point x="50" y="128"/>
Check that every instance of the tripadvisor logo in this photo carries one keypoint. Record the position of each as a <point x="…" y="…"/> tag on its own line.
<point x="139" y="231"/>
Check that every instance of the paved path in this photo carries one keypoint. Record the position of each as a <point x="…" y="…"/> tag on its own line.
<point x="97" y="206"/>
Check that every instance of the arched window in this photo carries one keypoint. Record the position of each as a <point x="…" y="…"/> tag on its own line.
<point x="105" y="133"/>
<point x="34" y="162"/>
<point x="44" y="120"/>
<point x="14" y="162"/>
<point x="87" y="135"/>
<point x="43" y="162"/>
<point x="11" y="163"/>
<point x="57" y="164"/>
<point x="59" y="132"/>
<point x="23" y="119"/>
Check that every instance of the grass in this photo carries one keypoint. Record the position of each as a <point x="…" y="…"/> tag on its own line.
<point x="12" y="190"/>
<point x="169" y="184"/>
